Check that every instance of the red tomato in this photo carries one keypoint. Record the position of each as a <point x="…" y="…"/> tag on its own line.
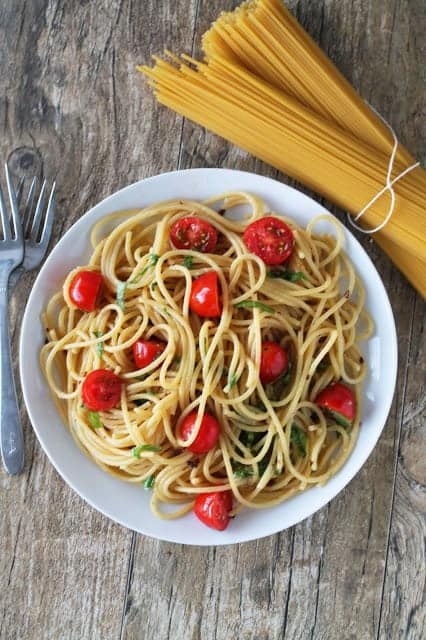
<point x="101" y="390"/>
<point x="204" y="299"/>
<point x="146" y="351"/>
<point x="208" y="433"/>
<point x="339" y="400"/>
<point x="273" y="362"/>
<point x="84" y="289"/>
<point x="213" y="509"/>
<point x="270" y="239"/>
<point x="194" y="233"/>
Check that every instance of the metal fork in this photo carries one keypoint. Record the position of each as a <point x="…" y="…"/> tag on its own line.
<point x="35" y="234"/>
<point x="11" y="255"/>
<point x="35" y="243"/>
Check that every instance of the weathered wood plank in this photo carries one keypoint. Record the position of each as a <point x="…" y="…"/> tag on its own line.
<point x="71" y="96"/>
<point x="404" y="613"/>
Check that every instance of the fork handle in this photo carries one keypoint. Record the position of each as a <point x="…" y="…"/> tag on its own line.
<point x="11" y="436"/>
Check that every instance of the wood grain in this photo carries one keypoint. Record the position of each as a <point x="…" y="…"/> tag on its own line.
<point x="72" y="106"/>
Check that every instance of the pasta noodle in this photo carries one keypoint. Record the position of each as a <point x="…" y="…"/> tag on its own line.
<point x="268" y="88"/>
<point x="274" y="441"/>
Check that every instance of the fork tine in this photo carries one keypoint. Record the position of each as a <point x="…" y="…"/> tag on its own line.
<point x="48" y="223"/>
<point x="29" y="206"/>
<point x="7" y="234"/>
<point x="20" y="190"/>
<point x="17" y="226"/>
<point x="38" y="213"/>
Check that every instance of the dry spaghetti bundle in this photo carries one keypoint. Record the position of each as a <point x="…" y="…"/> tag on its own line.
<point x="268" y="88"/>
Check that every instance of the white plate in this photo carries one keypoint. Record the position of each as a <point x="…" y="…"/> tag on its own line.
<point x="129" y="504"/>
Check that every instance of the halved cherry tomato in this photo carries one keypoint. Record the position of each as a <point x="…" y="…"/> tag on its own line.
<point x="339" y="401"/>
<point x="146" y="351"/>
<point x="208" y="433"/>
<point x="84" y="289"/>
<point x="101" y="390"/>
<point x="273" y="362"/>
<point x="213" y="509"/>
<point x="204" y="299"/>
<point x="193" y="233"/>
<point x="271" y="239"/>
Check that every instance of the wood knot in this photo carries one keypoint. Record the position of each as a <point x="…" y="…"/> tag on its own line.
<point x="25" y="162"/>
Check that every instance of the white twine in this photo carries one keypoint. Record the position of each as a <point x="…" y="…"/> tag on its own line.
<point x="388" y="187"/>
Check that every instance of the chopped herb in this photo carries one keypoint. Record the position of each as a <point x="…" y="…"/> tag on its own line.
<point x="275" y="390"/>
<point x="250" y="437"/>
<point x="242" y="471"/>
<point x="136" y="451"/>
<point x="153" y="286"/>
<point x="188" y="260"/>
<point x="264" y="463"/>
<point x="254" y="304"/>
<point x="193" y="463"/>
<point x="100" y="345"/>
<point x="153" y="259"/>
<point x="95" y="420"/>
<point x="233" y="380"/>
<point x="285" y="274"/>
<point x="138" y="402"/>
<point x="323" y="365"/>
<point x="121" y="289"/>
<point x="299" y="439"/>
<point x="149" y="482"/>
<point x="82" y="406"/>
<point x="341" y="420"/>
<point x="176" y="361"/>
<point x="165" y="311"/>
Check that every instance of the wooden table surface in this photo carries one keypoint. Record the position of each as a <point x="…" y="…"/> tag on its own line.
<point x="72" y="104"/>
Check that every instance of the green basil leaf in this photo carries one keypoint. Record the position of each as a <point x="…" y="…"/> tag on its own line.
<point x="100" y="345"/>
<point x="323" y="365"/>
<point x="254" y="304"/>
<point x="149" y="482"/>
<point x="341" y="420"/>
<point x="136" y="451"/>
<point x="95" y="420"/>
<point x="233" y="380"/>
<point x="299" y="439"/>
<point x="153" y="259"/>
<point x="285" y="274"/>
<point x="242" y="471"/>
<point x="187" y="262"/>
<point x="121" y="289"/>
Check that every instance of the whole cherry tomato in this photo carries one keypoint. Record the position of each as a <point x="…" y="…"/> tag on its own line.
<point x="146" y="351"/>
<point x="101" y="390"/>
<point x="273" y="362"/>
<point x="339" y="401"/>
<point x="205" y="299"/>
<point x="269" y="238"/>
<point x="213" y="509"/>
<point x="84" y="289"/>
<point x="192" y="232"/>
<point x="208" y="433"/>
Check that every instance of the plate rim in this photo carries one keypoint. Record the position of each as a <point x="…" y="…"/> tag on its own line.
<point x="393" y="356"/>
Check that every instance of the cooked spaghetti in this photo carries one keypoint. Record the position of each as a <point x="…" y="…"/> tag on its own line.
<point x="275" y="440"/>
